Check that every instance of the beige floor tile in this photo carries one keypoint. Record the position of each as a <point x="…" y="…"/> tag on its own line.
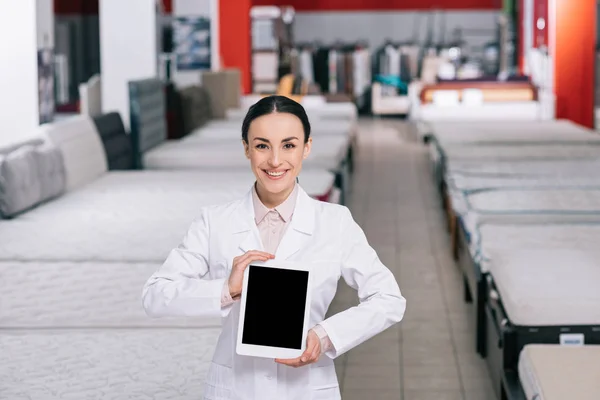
<point x="371" y="359"/>
<point x="368" y="394"/>
<point x="480" y="395"/>
<point x="432" y="382"/>
<point x="386" y="381"/>
<point x="433" y="395"/>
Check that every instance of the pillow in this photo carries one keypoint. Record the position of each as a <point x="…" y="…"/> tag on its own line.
<point x="81" y="147"/>
<point x="20" y="187"/>
<point x="51" y="172"/>
<point x="30" y="175"/>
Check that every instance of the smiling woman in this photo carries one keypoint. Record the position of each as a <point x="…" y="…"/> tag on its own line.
<point x="278" y="220"/>
<point x="276" y="136"/>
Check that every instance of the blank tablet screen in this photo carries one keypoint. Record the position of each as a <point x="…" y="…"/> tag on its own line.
<point x="275" y="305"/>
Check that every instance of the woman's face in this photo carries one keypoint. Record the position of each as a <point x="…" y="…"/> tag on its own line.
<point x="276" y="149"/>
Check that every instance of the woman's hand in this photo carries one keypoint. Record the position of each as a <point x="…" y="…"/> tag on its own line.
<point x="310" y="355"/>
<point x="236" y="278"/>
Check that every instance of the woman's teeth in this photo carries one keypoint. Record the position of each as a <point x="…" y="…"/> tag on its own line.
<point x="275" y="173"/>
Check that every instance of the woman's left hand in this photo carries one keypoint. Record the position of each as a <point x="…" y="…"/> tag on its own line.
<point x="310" y="355"/>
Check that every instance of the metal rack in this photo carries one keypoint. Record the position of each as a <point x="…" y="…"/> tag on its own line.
<point x="272" y="45"/>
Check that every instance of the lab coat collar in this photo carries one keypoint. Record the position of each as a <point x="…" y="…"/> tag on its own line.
<point x="285" y="209"/>
<point x="298" y="233"/>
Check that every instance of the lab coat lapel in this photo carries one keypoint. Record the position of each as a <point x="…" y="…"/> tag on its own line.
<point x="245" y="227"/>
<point x="301" y="227"/>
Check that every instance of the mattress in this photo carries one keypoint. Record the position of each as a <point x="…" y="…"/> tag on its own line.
<point x="328" y="152"/>
<point x="80" y="295"/>
<point x="459" y="187"/>
<point x="316" y="111"/>
<point x="535" y="200"/>
<point x="508" y="236"/>
<point x="165" y="182"/>
<point x="554" y="372"/>
<point x="553" y="168"/>
<point x="220" y="131"/>
<point x="520" y="206"/>
<point x="496" y="112"/>
<point x="125" y="216"/>
<point x="511" y="152"/>
<point x="549" y="286"/>
<point x="165" y="364"/>
<point x="472" y="183"/>
<point x="480" y="132"/>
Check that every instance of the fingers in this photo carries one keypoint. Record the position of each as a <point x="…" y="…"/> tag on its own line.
<point x="239" y="265"/>
<point x="252" y="255"/>
<point x="310" y="355"/>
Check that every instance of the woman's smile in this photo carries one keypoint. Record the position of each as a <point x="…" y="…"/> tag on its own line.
<point x="275" y="174"/>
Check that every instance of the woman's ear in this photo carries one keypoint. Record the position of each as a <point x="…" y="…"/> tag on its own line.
<point x="246" y="149"/>
<point x="307" y="148"/>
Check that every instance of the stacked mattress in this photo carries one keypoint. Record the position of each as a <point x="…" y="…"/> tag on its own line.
<point x="523" y="202"/>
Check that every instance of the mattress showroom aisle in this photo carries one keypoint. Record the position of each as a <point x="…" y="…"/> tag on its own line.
<point x="428" y="356"/>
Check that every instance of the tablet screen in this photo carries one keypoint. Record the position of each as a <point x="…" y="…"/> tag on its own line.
<point x="275" y="306"/>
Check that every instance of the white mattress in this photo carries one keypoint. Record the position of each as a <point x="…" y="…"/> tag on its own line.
<point x="161" y="364"/>
<point x="218" y="129"/>
<point x="548" y="287"/>
<point x="507" y="237"/>
<point x="140" y="218"/>
<point x="521" y="206"/>
<point x="328" y="152"/>
<point x="554" y="372"/>
<point x="457" y="132"/>
<point x="459" y="186"/>
<point x="553" y="168"/>
<point x="165" y="182"/>
<point x="500" y="111"/>
<point x="314" y="111"/>
<point x="80" y="295"/>
<point x="537" y="200"/>
<point x="510" y="152"/>
<point x="470" y="183"/>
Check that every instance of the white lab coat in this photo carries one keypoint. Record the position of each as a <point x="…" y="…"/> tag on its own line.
<point x="324" y="235"/>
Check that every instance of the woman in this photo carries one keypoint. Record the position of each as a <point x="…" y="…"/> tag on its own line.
<point x="276" y="220"/>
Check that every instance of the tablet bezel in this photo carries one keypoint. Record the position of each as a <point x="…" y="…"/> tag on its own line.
<point x="245" y="349"/>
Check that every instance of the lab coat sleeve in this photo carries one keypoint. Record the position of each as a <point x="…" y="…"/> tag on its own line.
<point x="182" y="286"/>
<point x="381" y="303"/>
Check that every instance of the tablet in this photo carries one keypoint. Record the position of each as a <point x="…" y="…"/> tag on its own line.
<point x="274" y="310"/>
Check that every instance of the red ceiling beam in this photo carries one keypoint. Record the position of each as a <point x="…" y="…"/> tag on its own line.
<point x="76" y="7"/>
<point x="382" y="5"/>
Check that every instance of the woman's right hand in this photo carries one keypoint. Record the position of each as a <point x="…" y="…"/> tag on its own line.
<point x="240" y="264"/>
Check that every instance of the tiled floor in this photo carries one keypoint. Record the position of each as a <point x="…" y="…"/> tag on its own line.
<point x="429" y="355"/>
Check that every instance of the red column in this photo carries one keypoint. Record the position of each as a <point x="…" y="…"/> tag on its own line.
<point x="235" y="38"/>
<point x="540" y="33"/>
<point x="521" y="36"/>
<point x="573" y="52"/>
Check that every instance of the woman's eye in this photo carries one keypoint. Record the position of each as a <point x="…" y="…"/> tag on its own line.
<point x="289" y="146"/>
<point x="261" y="146"/>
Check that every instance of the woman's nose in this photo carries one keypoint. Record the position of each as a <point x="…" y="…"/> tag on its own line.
<point x="274" y="160"/>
